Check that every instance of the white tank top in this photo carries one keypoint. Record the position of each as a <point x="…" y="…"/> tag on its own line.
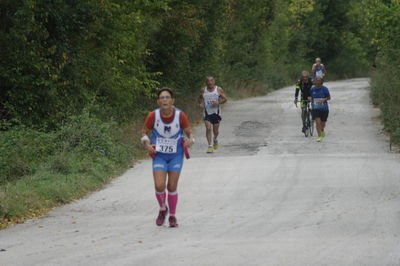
<point x="209" y="97"/>
<point x="167" y="136"/>
<point x="167" y="130"/>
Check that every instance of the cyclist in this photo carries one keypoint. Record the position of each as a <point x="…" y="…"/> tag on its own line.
<point x="320" y="110"/>
<point x="210" y="99"/>
<point x="166" y="147"/>
<point x="303" y="85"/>
<point x="318" y="69"/>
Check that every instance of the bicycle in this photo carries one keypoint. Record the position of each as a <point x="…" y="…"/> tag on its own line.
<point x="309" y="122"/>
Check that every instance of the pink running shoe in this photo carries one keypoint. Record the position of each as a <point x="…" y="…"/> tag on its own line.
<point x="172" y="221"/>
<point x="161" y="217"/>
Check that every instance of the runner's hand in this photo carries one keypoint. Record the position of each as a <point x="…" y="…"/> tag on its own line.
<point x="215" y="103"/>
<point x="201" y="105"/>
<point x="188" y="143"/>
<point x="151" y="148"/>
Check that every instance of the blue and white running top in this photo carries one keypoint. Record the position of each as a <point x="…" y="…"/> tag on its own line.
<point x="317" y="94"/>
<point x="167" y="138"/>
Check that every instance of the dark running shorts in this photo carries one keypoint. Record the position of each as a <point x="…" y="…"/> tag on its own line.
<point x="323" y="115"/>
<point x="213" y="118"/>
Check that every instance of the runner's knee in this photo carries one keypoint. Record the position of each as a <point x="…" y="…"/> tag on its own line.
<point x="160" y="187"/>
<point x="172" y="186"/>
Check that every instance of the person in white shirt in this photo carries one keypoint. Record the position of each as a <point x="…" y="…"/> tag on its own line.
<point x="210" y="99"/>
<point x="318" y="69"/>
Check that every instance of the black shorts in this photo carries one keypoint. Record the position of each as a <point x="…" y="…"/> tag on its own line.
<point x="322" y="114"/>
<point x="212" y="118"/>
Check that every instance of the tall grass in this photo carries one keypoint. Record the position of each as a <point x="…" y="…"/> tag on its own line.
<point x="40" y="170"/>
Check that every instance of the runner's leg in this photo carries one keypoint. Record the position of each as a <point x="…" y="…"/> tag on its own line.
<point x="173" y="178"/>
<point x="208" y="131"/>
<point x="160" y="178"/>
<point x="159" y="183"/>
<point x="324" y="118"/>
<point x="216" y="130"/>
<point x="323" y="124"/>
<point x="318" y="124"/>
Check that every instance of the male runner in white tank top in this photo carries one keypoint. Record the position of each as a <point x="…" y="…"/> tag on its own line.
<point x="210" y="99"/>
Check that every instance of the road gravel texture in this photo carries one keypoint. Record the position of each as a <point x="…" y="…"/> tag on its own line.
<point x="268" y="196"/>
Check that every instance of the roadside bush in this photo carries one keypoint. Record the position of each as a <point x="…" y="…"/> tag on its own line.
<point x="386" y="94"/>
<point x="40" y="170"/>
<point x="22" y="150"/>
<point x="87" y="134"/>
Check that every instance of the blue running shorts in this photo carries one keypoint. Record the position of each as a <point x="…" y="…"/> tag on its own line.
<point x="168" y="162"/>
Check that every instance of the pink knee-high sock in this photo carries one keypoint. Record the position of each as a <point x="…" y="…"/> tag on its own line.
<point x="172" y="202"/>
<point x="161" y="196"/>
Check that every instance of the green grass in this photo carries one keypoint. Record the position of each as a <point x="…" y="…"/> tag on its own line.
<point x="49" y="187"/>
<point x="41" y="170"/>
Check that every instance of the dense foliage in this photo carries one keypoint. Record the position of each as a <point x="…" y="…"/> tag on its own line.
<point x="59" y="57"/>
<point x="382" y="26"/>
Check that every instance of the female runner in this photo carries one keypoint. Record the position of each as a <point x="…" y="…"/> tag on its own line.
<point x="166" y="146"/>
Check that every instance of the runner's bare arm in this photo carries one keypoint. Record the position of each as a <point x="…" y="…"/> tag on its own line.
<point x="200" y="100"/>
<point x="145" y="131"/>
<point x="189" y="133"/>
<point x="222" y="97"/>
<point x="146" y="141"/>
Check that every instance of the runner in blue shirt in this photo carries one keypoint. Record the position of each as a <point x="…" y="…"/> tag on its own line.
<point x="319" y="95"/>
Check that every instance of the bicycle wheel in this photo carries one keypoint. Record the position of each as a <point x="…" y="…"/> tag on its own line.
<point x="307" y="123"/>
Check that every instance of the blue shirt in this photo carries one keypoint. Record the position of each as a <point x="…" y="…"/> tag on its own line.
<point x="318" y="93"/>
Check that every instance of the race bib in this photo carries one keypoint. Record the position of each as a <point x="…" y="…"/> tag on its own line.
<point x="319" y="73"/>
<point x="317" y="102"/>
<point x="165" y="145"/>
